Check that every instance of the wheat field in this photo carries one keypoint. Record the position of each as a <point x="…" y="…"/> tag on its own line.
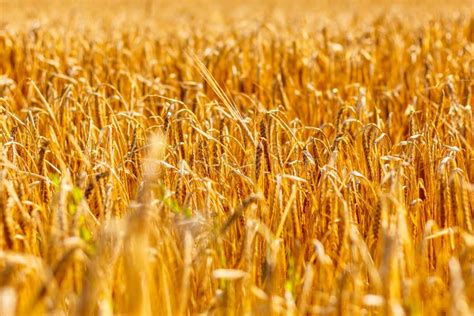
<point x="236" y="158"/>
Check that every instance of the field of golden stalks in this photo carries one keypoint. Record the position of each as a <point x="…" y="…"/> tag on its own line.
<point x="213" y="157"/>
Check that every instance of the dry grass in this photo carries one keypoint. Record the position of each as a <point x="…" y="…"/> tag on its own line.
<point x="236" y="159"/>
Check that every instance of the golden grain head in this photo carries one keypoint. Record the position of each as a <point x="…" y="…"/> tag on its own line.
<point x="219" y="157"/>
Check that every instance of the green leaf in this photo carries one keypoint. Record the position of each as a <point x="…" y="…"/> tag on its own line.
<point x="187" y="212"/>
<point x="54" y="177"/>
<point x="85" y="234"/>
<point x="172" y="204"/>
<point x="77" y="195"/>
<point x="72" y="208"/>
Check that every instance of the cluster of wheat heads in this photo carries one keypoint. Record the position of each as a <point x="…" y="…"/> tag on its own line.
<point x="270" y="166"/>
